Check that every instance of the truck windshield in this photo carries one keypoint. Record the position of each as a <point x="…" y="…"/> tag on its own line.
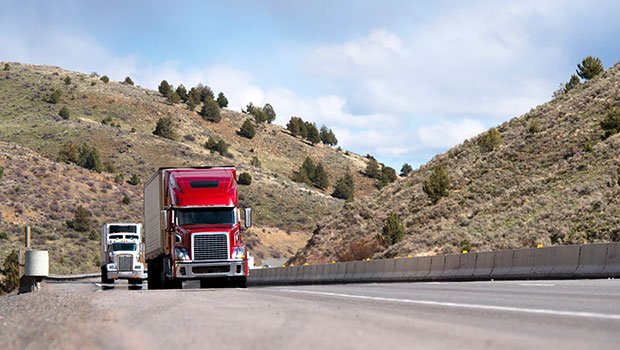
<point x="123" y="229"/>
<point x="206" y="216"/>
<point x="123" y="247"/>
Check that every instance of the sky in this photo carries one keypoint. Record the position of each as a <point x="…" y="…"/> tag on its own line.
<point x="400" y="80"/>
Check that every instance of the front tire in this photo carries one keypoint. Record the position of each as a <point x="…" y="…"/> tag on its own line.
<point x="106" y="283"/>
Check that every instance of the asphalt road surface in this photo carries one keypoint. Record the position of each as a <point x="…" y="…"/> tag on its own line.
<point x="583" y="314"/>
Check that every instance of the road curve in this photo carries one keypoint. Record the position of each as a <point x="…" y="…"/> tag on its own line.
<point x="508" y="314"/>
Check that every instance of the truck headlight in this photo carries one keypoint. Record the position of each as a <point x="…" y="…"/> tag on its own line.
<point x="238" y="252"/>
<point x="181" y="253"/>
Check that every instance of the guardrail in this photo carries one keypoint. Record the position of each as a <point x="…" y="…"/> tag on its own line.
<point x="560" y="262"/>
<point x="66" y="278"/>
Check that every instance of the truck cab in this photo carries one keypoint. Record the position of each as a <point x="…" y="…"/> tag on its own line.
<point x="122" y="254"/>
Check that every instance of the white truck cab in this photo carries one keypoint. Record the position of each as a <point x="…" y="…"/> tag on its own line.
<point x="122" y="254"/>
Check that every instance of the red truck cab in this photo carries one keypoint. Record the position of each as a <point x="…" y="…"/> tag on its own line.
<point x="193" y="227"/>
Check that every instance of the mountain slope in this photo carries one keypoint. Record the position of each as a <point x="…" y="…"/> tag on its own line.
<point x="30" y="123"/>
<point x="552" y="180"/>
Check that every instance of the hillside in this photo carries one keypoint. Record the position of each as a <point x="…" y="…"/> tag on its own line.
<point x="32" y="133"/>
<point x="553" y="179"/>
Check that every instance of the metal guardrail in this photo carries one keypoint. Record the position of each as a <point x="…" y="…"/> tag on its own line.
<point x="560" y="262"/>
<point x="66" y="278"/>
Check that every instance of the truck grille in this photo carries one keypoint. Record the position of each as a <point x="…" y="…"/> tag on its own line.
<point x="211" y="247"/>
<point x="125" y="262"/>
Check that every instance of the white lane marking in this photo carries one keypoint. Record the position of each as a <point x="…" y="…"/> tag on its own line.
<point x="537" y="284"/>
<point x="463" y="306"/>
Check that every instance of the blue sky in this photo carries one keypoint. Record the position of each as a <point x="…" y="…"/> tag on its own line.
<point x="401" y="80"/>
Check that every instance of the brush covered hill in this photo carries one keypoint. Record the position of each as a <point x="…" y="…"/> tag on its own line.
<point x="553" y="178"/>
<point x="118" y="120"/>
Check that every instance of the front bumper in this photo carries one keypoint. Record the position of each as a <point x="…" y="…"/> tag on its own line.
<point x="126" y="275"/>
<point x="198" y="270"/>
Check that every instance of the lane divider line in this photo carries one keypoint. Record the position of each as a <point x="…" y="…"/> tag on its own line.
<point x="462" y="306"/>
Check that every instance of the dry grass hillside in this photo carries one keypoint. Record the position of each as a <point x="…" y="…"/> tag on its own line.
<point x="553" y="179"/>
<point x="31" y="126"/>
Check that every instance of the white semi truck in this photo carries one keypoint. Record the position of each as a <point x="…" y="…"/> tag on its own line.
<point x="122" y="254"/>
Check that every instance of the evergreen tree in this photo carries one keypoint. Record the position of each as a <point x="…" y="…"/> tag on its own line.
<point x="222" y="101"/>
<point x="194" y="96"/>
<point x="572" y="83"/>
<point x="490" y="140"/>
<point x="173" y="98"/>
<point x="128" y="81"/>
<point x="269" y="113"/>
<point x="590" y="67"/>
<point x="67" y="80"/>
<point x="312" y="133"/>
<point x="88" y="157"/>
<point x="7" y="67"/>
<point x="165" y="128"/>
<point x="164" y="88"/>
<point x="437" y="184"/>
<point x="182" y="92"/>
<point x="205" y="93"/>
<point x="64" y="113"/>
<point x="105" y="79"/>
<point x="297" y="127"/>
<point x="388" y="175"/>
<point x="611" y="123"/>
<point x="372" y="168"/>
<point x="393" y="231"/>
<point x="69" y="153"/>
<point x="211" y="111"/>
<point x="247" y="129"/>
<point x="245" y="179"/>
<point x="191" y="105"/>
<point x="320" y="178"/>
<point x="81" y="220"/>
<point x="406" y="169"/>
<point x="55" y="97"/>
<point x="345" y="187"/>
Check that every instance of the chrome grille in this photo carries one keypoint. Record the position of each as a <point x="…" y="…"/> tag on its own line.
<point x="210" y="247"/>
<point x="125" y="262"/>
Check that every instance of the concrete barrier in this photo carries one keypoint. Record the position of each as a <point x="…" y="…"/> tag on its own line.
<point x="566" y="261"/>
<point x="349" y="274"/>
<point x="592" y="258"/>
<point x="330" y="273"/>
<point x="467" y="265"/>
<point x="360" y="268"/>
<point x="388" y="270"/>
<point x="502" y="264"/>
<point x="544" y="261"/>
<point x="612" y="263"/>
<point x="400" y="270"/>
<point x="342" y="271"/>
<point x="437" y="265"/>
<point x="484" y="265"/>
<point x="522" y="263"/>
<point x="451" y="266"/>
<point x="418" y="268"/>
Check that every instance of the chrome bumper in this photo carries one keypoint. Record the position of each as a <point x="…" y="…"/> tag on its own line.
<point x="120" y="275"/>
<point x="191" y="270"/>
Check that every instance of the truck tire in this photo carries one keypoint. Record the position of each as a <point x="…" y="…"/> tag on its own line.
<point x="106" y="283"/>
<point x="240" y="282"/>
<point x="154" y="275"/>
<point x="135" y="283"/>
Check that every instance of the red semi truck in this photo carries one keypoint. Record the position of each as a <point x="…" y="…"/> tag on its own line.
<point x="192" y="228"/>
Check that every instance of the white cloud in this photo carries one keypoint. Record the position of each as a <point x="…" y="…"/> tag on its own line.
<point x="446" y="134"/>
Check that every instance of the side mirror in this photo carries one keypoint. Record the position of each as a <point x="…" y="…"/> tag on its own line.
<point x="247" y="217"/>
<point x="164" y="219"/>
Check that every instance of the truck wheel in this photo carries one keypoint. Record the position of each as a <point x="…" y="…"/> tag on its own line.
<point x="106" y="283"/>
<point x="154" y="274"/>
<point x="240" y="282"/>
<point x="135" y="283"/>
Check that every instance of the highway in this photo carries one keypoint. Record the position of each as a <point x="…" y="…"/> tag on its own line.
<point x="568" y="314"/>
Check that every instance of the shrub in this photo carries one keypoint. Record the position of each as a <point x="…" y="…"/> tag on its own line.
<point x="388" y="175"/>
<point x="247" y="129"/>
<point x="64" y="113"/>
<point x="11" y="272"/>
<point x="1" y="172"/>
<point x="93" y="235"/>
<point x="67" y="80"/>
<point x="255" y="162"/>
<point x="327" y="136"/>
<point x="265" y="114"/>
<point x="437" y="184"/>
<point x="55" y="97"/>
<point x="164" y="88"/>
<point x="165" y="128"/>
<point x="245" y="179"/>
<point x="406" y="169"/>
<point x="222" y="101"/>
<point x="6" y="67"/>
<point x="588" y="146"/>
<point x="572" y="83"/>
<point x="490" y="140"/>
<point x="211" y="111"/>
<point x="81" y="220"/>
<point x="534" y="127"/>
<point x="194" y="96"/>
<point x="393" y="231"/>
<point x="372" y="168"/>
<point x="105" y="79"/>
<point x="220" y="146"/>
<point x="305" y="174"/>
<point x="345" y="187"/>
<point x="191" y="105"/>
<point x="126" y="200"/>
<point x="204" y="92"/>
<point x="611" y="123"/>
<point x="69" y="153"/>
<point x="589" y="68"/>
<point x="88" y="158"/>
<point x="320" y="178"/>
<point x="134" y="179"/>
<point x="297" y="127"/>
<point x="4" y="236"/>
<point x="118" y="178"/>
<point x="128" y="81"/>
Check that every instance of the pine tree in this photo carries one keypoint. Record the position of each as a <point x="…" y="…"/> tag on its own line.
<point x="297" y="127"/>
<point x="165" y="128"/>
<point x="247" y="129"/>
<point x="345" y="187"/>
<point x="81" y="220"/>
<point x="222" y="101"/>
<point x="67" y="80"/>
<point x="164" y="88"/>
<point x="105" y="79"/>
<point x="406" y="169"/>
<point x="88" y="158"/>
<point x="312" y="133"/>
<point x="173" y="98"/>
<point x="55" y="97"/>
<point x="128" y="81"/>
<point x="437" y="184"/>
<point x="590" y="67"/>
<point x="269" y="113"/>
<point x="572" y="83"/>
<point x="320" y="178"/>
<point x="244" y="179"/>
<point x="211" y="111"/>
<point x="64" y="113"/>
<point x="393" y="231"/>
<point x="372" y="169"/>
<point x="490" y="140"/>
<point x="182" y="92"/>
